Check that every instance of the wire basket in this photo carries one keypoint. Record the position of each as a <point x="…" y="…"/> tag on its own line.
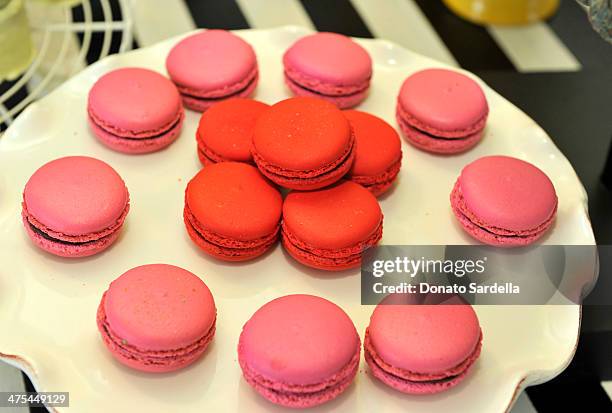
<point x="65" y="39"/>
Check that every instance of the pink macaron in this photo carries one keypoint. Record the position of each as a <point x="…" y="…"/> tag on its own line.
<point x="135" y="110"/>
<point x="157" y="318"/>
<point x="299" y="351"/>
<point x="422" y="349"/>
<point x="212" y="65"/>
<point x="329" y="66"/>
<point x="504" y="201"/>
<point x="74" y="206"/>
<point x="442" y="111"/>
<point x="378" y="152"/>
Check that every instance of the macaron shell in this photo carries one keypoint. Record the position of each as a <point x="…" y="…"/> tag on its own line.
<point x="134" y="103"/>
<point x="335" y="217"/>
<point x="508" y="193"/>
<point x="298" y="340"/>
<point x="328" y="58"/>
<point x="377" y="144"/>
<point x="159" y="307"/>
<point x="443" y="100"/>
<point x="301" y="134"/>
<point x="226" y="129"/>
<point x="76" y="195"/>
<point x="424" y="339"/>
<point x="211" y="63"/>
<point x="234" y="200"/>
<point x="68" y="250"/>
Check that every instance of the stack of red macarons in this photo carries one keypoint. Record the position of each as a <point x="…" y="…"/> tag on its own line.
<point x="333" y="162"/>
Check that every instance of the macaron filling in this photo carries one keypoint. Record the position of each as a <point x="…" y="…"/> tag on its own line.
<point x="341" y="258"/>
<point x="147" y="357"/>
<point x="419" y="136"/>
<point x="207" y="156"/>
<point x="137" y="142"/>
<point x="58" y="237"/>
<point x="136" y="134"/>
<point x="378" y="184"/>
<point x="137" y="145"/>
<point x="227" y="247"/>
<point x="466" y="217"/>
<point x="406" y="118"/>
<point x="419" y="132"/>
<point x="235" y="90"/>
<point x="430" y="143"/>
<point x="402" y="378"/>
<point x="299" y="395"/>
<point x="329" y="90"/>
<point x="326" y="172"/>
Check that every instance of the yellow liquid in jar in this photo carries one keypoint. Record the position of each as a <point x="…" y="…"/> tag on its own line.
<point x="504" y="12"/>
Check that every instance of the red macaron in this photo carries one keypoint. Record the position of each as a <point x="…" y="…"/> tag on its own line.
<point x="232" y="212"/>
<point x="378" y="152"/>
<point x="303" y="143"/>
<point x="331" y="228"/>
<point x="225" y="131"/>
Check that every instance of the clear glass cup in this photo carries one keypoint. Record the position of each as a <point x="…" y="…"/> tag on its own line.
<point x="600" y="15"/>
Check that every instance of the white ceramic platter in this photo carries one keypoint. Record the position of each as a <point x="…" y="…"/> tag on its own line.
<point x="48" y="305"/>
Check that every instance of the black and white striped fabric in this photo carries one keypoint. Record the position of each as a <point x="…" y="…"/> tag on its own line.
<point x="564" y="44"/>
<point x="424" y="26"/>
<point x="520" y="62"/>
